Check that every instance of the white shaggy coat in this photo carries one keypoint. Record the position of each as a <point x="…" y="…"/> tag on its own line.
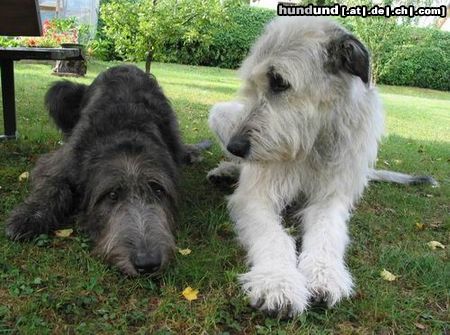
<point x="317" y="140"/>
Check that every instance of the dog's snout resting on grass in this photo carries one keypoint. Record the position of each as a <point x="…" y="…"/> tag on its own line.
<point x="306" y="127"/>
<point x="117" y="171"/>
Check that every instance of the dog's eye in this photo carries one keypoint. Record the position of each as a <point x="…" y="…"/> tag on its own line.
<point x="157" y="189"/>
<point x="277" y="83"/>
<point x="113" y="195"/>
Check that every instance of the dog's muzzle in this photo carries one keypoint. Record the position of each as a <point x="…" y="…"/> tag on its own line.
<point x="239" y="145"/>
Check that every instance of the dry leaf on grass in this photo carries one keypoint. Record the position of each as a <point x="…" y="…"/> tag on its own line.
<point x="386" y="275"/>
<point x="435" y="244"/>
<point x="420" y="226"/>
<point x="24" y="176"/>
<point x="420" y="326"/>
<point x="190" y="294"/>
<point x="63" y="232"/>
<point x="184" y="252"/>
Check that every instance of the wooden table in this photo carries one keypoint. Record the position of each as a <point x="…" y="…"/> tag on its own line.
<point x="7" y="58"/>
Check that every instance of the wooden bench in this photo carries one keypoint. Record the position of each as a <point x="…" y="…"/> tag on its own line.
<point x="22" y="18"/>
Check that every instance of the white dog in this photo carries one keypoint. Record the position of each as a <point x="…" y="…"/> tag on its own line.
<point x="307" y="125"/>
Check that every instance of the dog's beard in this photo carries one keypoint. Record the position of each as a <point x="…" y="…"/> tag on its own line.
<point x="279" y="133"/>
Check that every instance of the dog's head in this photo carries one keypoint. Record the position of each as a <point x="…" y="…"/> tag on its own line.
<point x="129" y="206"/>
<point x="295" y="78"/>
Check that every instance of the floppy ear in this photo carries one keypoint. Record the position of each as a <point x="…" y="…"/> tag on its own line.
<point x="354" y="57"/>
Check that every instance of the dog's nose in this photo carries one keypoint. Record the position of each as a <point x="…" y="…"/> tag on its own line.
<point x="239" y="146"/>
<point x="146" y="262"/>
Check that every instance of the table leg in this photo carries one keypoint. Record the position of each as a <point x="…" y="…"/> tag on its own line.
<point x="9" y="102"/>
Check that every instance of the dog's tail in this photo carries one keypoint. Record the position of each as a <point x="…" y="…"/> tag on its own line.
<point x="193" y="152"/>
<point x="401" y="178"/>
<point x="63" y="101"/>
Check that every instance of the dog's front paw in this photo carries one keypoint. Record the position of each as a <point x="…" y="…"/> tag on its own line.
<point x="226" y="174"/>
<point x="327" y="280"/>
<point x="276" y="291"/>
<point x="220" y="181"/>
<point x="25" y="223"/>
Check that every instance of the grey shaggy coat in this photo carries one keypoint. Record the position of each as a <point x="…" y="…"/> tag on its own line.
<point x="118" y="170"/>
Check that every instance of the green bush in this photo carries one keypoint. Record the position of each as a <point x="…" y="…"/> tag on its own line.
<point x="176" y="30"/>
<point x="185" y="31"/>
<point x="232" y="43"/>
<point x="182" y="30"/>
<point x="210" y="33"/>
<point x="422" y="61"/>
<point x="207" y="33"/>
<point x="404" y="55"/>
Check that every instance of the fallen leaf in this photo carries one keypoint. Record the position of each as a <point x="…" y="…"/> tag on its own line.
<point x="37" y="281"/>
<point x="420" y="326"/>
<point x="24" y="176"/>
<point x="420" y="226"/>
<point x="435" y="244"/>
<point x="184" y="252"/>
<point x="386" y="275"/>
<point x="63" y="232"/>
<point x="190" y="294"/>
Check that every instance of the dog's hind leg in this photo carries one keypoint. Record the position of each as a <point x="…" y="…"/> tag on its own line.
<point x="401" y="178"/>
<point x="49" y="205"/>
<point x="193" y="152"/>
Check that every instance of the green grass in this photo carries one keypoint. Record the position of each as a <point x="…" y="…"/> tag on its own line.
<point x="54" y="285"/>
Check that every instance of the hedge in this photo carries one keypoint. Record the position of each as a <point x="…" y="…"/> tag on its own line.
<point x="231" y="45"/>
<point x="190" y="32"/>
<point x="422" y="61"/>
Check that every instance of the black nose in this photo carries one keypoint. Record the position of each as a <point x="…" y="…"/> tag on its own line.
<point x="146" y="262"/>
<point x="239" y="146"/>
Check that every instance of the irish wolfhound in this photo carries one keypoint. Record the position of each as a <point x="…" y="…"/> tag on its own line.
<point x="118" y="170"/>
<point x="307" y="126"/>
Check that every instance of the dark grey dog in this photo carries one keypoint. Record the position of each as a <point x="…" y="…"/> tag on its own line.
<point x="117" y="172"/>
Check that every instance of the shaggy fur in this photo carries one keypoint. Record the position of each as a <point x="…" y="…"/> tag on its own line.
<point x="117" y="172"/>
<point x="307" y="126"/>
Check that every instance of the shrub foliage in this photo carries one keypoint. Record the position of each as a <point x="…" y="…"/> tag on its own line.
<point x="220" y="33"/>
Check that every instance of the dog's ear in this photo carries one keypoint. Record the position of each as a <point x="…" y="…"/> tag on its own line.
<point x="63" y="101"/>
<point x="351" y="55"/>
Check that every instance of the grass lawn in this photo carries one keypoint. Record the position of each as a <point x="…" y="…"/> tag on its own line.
<point x="53" y="285"/>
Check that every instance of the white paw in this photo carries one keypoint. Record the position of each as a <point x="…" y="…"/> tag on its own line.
<point x="327" y="279"/>
<point x="280" y="291"/>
